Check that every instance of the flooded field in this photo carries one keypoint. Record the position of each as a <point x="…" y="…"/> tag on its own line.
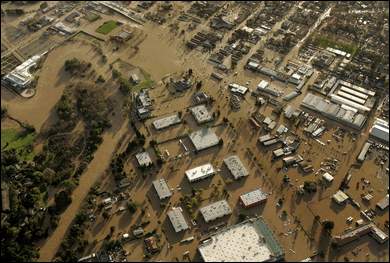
<point x="158" y="52"/>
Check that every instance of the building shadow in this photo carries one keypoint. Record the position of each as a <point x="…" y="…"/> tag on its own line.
<point x="170" y="233"/>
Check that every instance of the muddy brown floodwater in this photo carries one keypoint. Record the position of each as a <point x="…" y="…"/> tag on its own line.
<point x="51" y="83"/>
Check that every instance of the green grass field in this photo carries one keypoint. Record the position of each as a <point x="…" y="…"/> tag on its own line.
<point x="16" y="140"/>
<point x="107" y="27"/>
<point x="147" y="83"/>
<point x="325" y="42"/>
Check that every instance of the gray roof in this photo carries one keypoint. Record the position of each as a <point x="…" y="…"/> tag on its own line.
<point x="166" y="121"/>
<point x="253" y="197"/>
<point x="204" y="138"/>
<point x="177" y="219"/>
<point x="162" y="188"/>
<point x="235" y="166"/>
<point x="334" y="111"/>
<point x="201" y="114"/>
<point x="215" y="210"/>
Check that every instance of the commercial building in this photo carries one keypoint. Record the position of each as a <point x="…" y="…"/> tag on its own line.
<point x="162" y="188"/>
<point x="357" y="233"/>
<point x="201" y="114"/>
<point x="200" y="172"/>
<point x="215" y="210"/>
<point x="363" y="153"/>
<point x="177" y="219"/>
<point x="235" y="166"/>
<point x="340" y="113"/>
<point x="143" y="159"/>
<point x="327" y="177"/>
<point x="253" y="198"/>
<point x="204" y="138"/>
<point x="239" y="89"/>
<point x="380" y="130"/>
<point x="291" y="95"/>
<point x="340" y="197"/>
<point x="264" y="86"/>
<point x="249" y="241"/>
<point x="383" y="203"/>
<point x="20" y="78"/>
<point x="166" y="121"/>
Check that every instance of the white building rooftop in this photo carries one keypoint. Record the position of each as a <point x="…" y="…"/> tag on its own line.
<point x="248" y="241"/>
<point x="201" y="114"/>
<point x="235" y="166"/>
<point x="235" y="88"/>
<point x="215" y="210"/>
<point x="21" y="76"/>
<point x="177" y="219"/>
<point x="162" y="188"/>
<point x="166" y="121"/>
<point x="204" y="138"/>
<point x="143" y="159"/>
<point x="340" y="197"/>
<point x="252" y="198"/>
<point x="200" y="172"/>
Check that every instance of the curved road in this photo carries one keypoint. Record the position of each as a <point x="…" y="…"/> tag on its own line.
<point x="93" y="173"/>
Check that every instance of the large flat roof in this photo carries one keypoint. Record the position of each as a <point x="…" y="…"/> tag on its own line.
<point x="201" y="114"/>
<point x="235" y="166"/>
<point x="177" y="219"/>
<point x="162" y="188"/>
<point x="204" y="138"/>
<point x="200" y="172"/>
<point x="253" y="197"/>
<point x="215" y="210"/>
<point x="166" y="121"/>
<point x="248" y="241"/>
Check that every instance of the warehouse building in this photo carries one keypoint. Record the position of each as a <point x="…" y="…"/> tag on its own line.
<point x="253" y="198"/>
<point x="341" y="113"/>
<point x="380" y="130"/>
<point x="363" y="153"/>
<point x="20" y="78"/>
<point x="383" y="203"/>
<point x="215" y="210"/>
<point x="166" y="121"/>
<point x="204" y="138"/>
<point x="200" y="172"/>
<point x="235" y="166"/>
<point x="249" y="241"/>
<point x="177" y="219"/>
<point x="162" y="188"/>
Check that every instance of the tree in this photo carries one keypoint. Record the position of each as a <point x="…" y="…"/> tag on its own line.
<point x="100" y="79"/>
<point x="72" y="64"/>
<point x="328" y="225"/>
<point x="62" y="200"/>
<point x="199" y="84"/>
<point x="190" y="72"/>
<point x="153" y="143"/>
<point x="3" y="112"/>
<point x="131" y="206"/>
<point x="115" y="74"/>
<point x="106" y="215"/>
<point x="43" y="5"/>
<point x="310" y="186"/>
